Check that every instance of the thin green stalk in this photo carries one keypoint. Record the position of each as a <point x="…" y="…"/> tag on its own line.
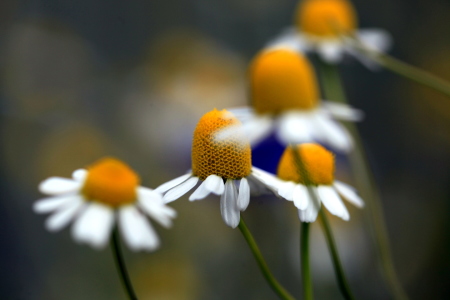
<point x="274" y="284"/>
<point x="365" y="182"/>
<point x="339" y="271"/>
<point x="304" y="258"/>
<point x="120" y="265"/>
<point x="406" y="70"/>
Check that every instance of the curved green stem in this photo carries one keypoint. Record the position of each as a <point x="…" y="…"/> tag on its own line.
<point x="365" y="182"/>
<point x="339" y="271"/>
<point x="304" y="258"/>
<point x="274" y="284"/>
<point x="120" y="265"/>
<point x="406" y="70"/>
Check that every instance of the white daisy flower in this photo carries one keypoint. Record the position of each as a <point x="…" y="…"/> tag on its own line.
<point x="285" y="98"/>
<point x="221" y="159"/>
<point x="319" y="165"/>
<point x="95" y="197"/>
<point x="328" y="28"/>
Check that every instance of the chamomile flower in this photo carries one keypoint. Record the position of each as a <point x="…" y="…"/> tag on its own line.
<point x="292" y="184"/>
<point x="285" y="98"/>
<point x="221" y="159"/>
<point x="95" y="197"/>
<point x="327" y="27"/>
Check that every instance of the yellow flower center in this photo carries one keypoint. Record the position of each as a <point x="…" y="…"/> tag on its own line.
<point x="316" y="160"/>
<point x="326" y="18"/>
<point x="282" y="80"/>
<point x="219" y="147"/>
<point x="111" y="182"/>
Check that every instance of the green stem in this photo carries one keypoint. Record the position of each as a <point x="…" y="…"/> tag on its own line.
<point x="406" y="70"/>
<point x="304" y="258"/>
<point x="365" y="182"/>
<point x="120" y="265"/>
<point x="339" y="271"/>
<point x="276" y="287"/>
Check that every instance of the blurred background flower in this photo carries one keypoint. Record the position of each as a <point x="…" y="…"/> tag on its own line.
<point x="84" y="79"/>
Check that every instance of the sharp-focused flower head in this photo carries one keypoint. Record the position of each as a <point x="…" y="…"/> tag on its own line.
<point x="326" y="18"/>
<point x="93" y="198"/>
<point x="316" y="161"/>
<point x="111" y="182"/>
<point x="282" y="80"/>
<point x="220" y="148"/>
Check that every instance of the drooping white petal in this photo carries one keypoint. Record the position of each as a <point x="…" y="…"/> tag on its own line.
<point x="172" y="183"/>
<point x="349" y="193"/>
<point x="300" y="196"/>
<point x="331" y="51"/>
<point x="228" y="206"/>
<point x="269" y="180"/>
<point x="343" y="111"/>
<point x="214" y="184"/>
<point x="310" y="213"/>
<point x="333" y="133"/>
<point x="50" y="204"/>
<point x="289" y="39"/>
<point x="58" y="185"/>
<point x="332" y="202"/>
<point x="79" y="175"/>
<point x="200" y="193"/>
<point x="136" y="230"/>
<point x="94" y="225"/>
<point x="153" y="205"/>
<point x="286" y="190"/>
<point x="244" y="195"/>
<point x="257" y="128"/>
<point x="180" y="190"/>
<point x="376" y="39"/>
<point x="64" y="215"/>
<point x="294" y="127"/>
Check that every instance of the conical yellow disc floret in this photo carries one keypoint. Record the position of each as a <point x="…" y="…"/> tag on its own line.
<point x="326" y="18"/>
<point x="220" y="148"/>
<point x="111" y="182"/>
<point x="282" y="80"/>
<point x="316" y="160"/>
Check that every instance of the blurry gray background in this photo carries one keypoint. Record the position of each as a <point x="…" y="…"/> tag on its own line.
<point x="83" y="79"/>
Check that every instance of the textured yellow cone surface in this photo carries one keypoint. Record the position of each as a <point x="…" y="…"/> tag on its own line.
<point x="326" y="18"/>
<point x="220" y="148"/>
<point x="282" y="80"/>
<point x="317" y="161"/>
<point x="111" y="182"/>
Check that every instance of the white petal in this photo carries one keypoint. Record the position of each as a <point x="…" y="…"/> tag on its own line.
<point x="153" y="205"/>
<point x="257" y="128"/>
<point x="174" y="182"/>
<point x="286" y="190"/>
<point x="349" y="193"/>
<point x="58" y="185"/>
<point x="310" y="213"/>
<point x="180" y="190"/>
<point x="64" y="215"/>
<point x="289" y="39"/>
<point x="53" y="203"/>
<point x="376" y="39"/>
<point x="79" y="175"/>
<point x="331" y="52"/>
<point x="228" y="207"/>
<point x="333" y="133"/>
<point x="136" y="231"/>
<point x="94" y="225"/>
<point x="343" y="111"/>
<point x="300" y="196"/>
<point x="244" y="195"/>
<point x="294" y="127"/>
<point x="266" y="178"/>
<point x="200" y="193"/>
<point x="332" y="202"/>
<point x="212" y="184"/>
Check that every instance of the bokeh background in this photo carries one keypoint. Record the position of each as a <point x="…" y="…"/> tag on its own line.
<point x="84" y="79"/>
